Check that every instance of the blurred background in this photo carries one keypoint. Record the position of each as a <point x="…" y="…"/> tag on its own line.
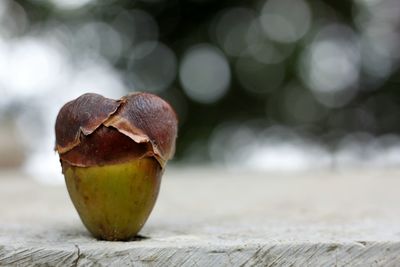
<point x="262" y="85"/>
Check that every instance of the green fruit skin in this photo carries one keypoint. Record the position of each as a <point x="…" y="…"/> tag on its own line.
<point x="114" y="201"/>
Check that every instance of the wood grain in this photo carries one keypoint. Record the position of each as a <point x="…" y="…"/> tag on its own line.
<point x="207" y="217"/>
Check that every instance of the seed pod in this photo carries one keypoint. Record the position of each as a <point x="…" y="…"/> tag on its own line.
<point x="113" y="153"/>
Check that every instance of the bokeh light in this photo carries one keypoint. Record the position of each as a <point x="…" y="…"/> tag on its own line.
<point x="331" y="65"/>
<point x="152" y="67"/>
<point x="32" y="67"/>
<point x="232" y="29"/>
<point x="70" y="4"/>
<point x="285" y="20"/>
<point x="204" y="73"/>
<point x="99" y="38"/>
<point x="135" y="26"/>
<point x="13" y="19"/>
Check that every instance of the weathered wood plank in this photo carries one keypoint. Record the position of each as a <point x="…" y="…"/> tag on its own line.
<point x="215" y="218"/>
<point x="87" y="252"/>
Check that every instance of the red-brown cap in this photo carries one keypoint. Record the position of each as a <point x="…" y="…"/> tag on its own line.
<point x="93" y="130"/>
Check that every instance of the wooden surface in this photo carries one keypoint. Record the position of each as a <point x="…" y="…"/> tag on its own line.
<point x="207" y="217"/>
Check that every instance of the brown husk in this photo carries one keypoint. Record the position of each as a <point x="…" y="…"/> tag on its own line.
<point x="93" y="130"/>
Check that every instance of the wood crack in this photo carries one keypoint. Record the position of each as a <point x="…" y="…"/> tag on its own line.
<point x="78" y="252"/>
